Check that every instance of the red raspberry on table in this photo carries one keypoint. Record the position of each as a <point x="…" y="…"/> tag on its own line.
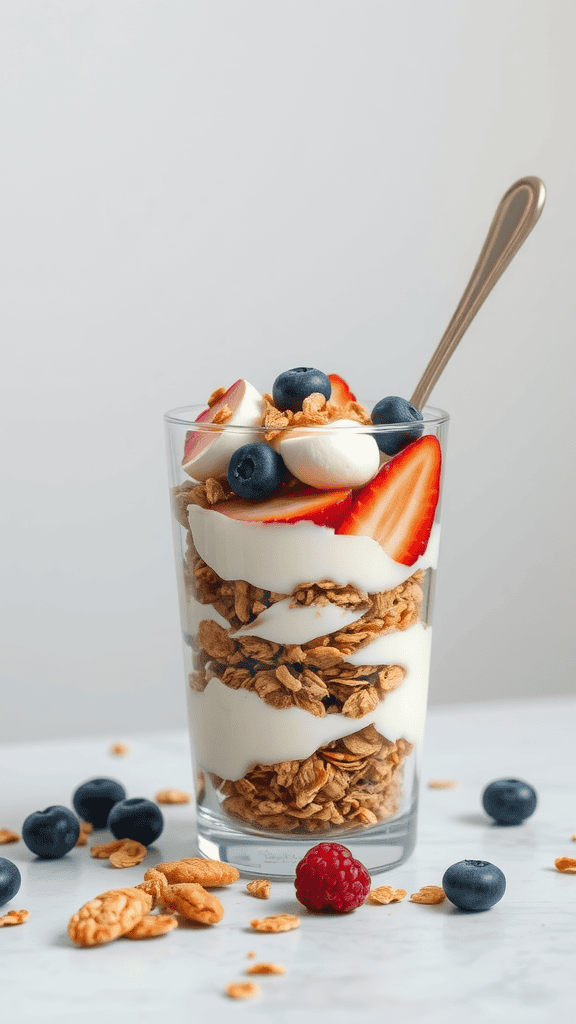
<point x="328" y="878"/>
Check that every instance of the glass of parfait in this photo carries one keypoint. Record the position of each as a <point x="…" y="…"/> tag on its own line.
<point x="306" y="614"/>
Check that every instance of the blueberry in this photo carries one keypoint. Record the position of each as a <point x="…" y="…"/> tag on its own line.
<point x="94" y="800"/>
<point x="293" y="386"/>
<point x="51" y="833"/>
<point x="136" y="818"/>
<point x="255" y="471"/>
<point x="509" y="801"/>
<point x="396" y="410"/>
<point x="474" y="884"/>
<point x="10" y="880"/>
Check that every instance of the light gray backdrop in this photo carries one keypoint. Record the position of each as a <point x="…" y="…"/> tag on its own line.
<point x="198" y="191"/>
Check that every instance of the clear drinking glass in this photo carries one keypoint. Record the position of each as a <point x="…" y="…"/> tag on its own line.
<point x="306" y="660"/>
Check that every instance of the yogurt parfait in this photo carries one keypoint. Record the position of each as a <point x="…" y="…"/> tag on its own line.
<point x="306" y="534"/>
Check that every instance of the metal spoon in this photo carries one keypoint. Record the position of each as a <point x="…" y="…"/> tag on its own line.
<point x="516" y="215"/>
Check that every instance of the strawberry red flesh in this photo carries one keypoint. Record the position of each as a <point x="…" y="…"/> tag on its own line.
<point x="325" y="508"/>
<point x="397" y="507"/>
<point x="341" y="393"/>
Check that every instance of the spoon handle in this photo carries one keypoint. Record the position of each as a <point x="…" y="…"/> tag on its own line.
<point x="516" y="215"/>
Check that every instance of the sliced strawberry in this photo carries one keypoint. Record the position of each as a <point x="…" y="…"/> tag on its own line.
<point x="325" y="508"/>
<point x="397" y="507"/>
<point x="341" y="393"/>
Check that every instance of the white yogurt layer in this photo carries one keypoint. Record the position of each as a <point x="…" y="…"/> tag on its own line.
<point x="280" y="556"/>
<point x="235" y="729"/>
<point x="403" y="647"/>
<point x="285" y="625"/>
<point x="196" y="613"/>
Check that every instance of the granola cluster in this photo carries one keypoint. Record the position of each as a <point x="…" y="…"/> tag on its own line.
<point x="316" y="412"/>
<point x="352" y="782"/>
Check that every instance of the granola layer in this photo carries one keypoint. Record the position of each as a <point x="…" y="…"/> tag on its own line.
<point x="354" y="781"/>
<point x="314" y="676"/>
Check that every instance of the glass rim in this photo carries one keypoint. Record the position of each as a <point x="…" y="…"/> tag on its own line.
<point x="185" y="416"/>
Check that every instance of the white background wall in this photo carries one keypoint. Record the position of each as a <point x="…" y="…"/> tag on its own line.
<point x="197" y="190"/>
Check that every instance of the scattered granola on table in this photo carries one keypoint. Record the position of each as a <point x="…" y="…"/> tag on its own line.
<point x="130" y="853"/>
<point x="126" y="912"/>
<point x="152" y="925"/>
<point x="276" y="923"/>
<point x="566" y="864"/>
<point x="385" y="894"/>
<point x="260" y="888"/>
<point x="86" y="829"/>
<point x="442" y="784"/>
<point x="193" y="902"/>
<point x="430" y="894"/>
<point x="120" y="749"/>
<point x="209" y="873"/>
<point x="7" y="836"/>
<point x="122" y="853"/>
<point x="172" y="796"/>
<point x="14" y="917"/>
<point x="266" y="969"/>
<point x="109" y="916"/>
<point x="242" y="990"/>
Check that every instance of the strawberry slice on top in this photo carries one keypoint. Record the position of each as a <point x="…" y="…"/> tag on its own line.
<point x="341" y="393"/>
<point x="397" y="507"/>
<point x="325" y="508"/>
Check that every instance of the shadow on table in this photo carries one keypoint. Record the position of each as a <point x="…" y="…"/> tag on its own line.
<point x="474" y="819"/>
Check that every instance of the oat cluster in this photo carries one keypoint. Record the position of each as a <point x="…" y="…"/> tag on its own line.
<point x="86" y="829"/>
<point x="14" y="917"/>
<point x="108" y="916"/>
<point x="122" y="853"/>
<point x="120" y="749"/>
<point x="209" y="873"/>
<point x="172" y="796"/>
<point x="316" y="412"/>
<point x="266" y="969"/>
<point x="242" y="990"/>
<point x="385" y="894"/>
<point x="152" y="925"/>
<point x="127" y="912"/>
<point x="7" y="836"/>
<point x="276" y="923"/>
<point x="566" y="865"/>
<point x="429" y="894"/>
<point x="260" y="888"/>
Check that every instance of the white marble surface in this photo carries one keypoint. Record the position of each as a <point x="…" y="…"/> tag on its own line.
<point x="403" y="963"/>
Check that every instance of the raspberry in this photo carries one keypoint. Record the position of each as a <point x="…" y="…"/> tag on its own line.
<point x="328" y="878"/>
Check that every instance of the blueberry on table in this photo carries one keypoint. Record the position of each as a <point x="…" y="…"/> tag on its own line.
<point x="474" y="884"/>
<point x="293" y="386"/>
<point x="509" y="801"/>
<point x="137" y="819"/>
<point x="51" y="833"/>
<point x="255" y="471"/>
<point x="94" y="800"/>
<point x="396" y="410"/>
<point x="10" y="879"/>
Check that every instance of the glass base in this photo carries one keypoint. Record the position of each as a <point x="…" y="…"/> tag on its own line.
<point x="257" y="855"/>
